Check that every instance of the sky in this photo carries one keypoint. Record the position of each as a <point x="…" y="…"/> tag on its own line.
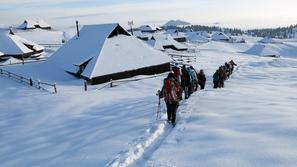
<point x="227" y="13"/>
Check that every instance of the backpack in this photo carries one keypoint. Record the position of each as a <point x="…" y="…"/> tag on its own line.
<point x="170" y="91"/>
<point x="216" y="77"/>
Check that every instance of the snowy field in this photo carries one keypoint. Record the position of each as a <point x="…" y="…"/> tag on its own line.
<point x="252" y="122"/>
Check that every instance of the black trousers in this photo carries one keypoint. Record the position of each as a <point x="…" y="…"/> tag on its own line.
<point x="171" y="111"/>
<point x="202" y="85"/>
<point x="215" y="84"/>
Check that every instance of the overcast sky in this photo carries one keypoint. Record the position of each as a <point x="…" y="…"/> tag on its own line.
<point x="238" y="13"/>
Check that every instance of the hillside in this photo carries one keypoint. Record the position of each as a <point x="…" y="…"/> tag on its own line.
<point x="176" y="23"/>
<point x="252" y="122"/>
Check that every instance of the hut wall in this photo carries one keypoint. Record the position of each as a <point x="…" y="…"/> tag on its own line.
<point x="181" y="39"/>
<point x="128" y="74"/>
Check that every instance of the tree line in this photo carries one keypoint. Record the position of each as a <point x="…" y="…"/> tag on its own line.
<point x="280" y="32"/>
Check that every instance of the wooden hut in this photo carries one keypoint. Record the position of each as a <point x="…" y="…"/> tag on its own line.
<point x="107" y="51"/>
<point x="12" y="45"/>
<point x="33" y="24"/>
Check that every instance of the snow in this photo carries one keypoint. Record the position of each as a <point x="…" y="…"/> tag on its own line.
<point x="149" y="28"/>
<point x="268" y="40"/>
<point x="195" y="37"/>
<point x="103" y="51"/>
<point x="42" y="23"/>
<point x="176" y="23"/>
<point x="262" y="50"/>
<point x="284" y="49"/>
<point x="142" y="35"/>
<point x="28" y="24"/>
<point x="217" y="36"/>
<point x="237" y="126"/>
<point x="76" y="52"/>
<point x="10" y="61"/>
<point x="126" y="58"/>
<point x="161" y="40"/>
<point x="41" y="36"/>
<point x="250" y="123"/>
<point x="32" y="24"/>
<point x="36" y="47"/>
<point x="11" y="44"/>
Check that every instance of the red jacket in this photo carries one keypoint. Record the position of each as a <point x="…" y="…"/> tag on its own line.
<point x="171" y="90"/>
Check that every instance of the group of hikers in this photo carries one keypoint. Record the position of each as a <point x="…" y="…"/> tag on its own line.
<point x="185" y="81"/>
<point x="180" y="81"/>
<point x="222" y="74"/>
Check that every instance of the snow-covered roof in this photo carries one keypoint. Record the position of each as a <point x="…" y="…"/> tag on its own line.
<point x="10" y="45"/>
<point x="148" y="28"/>
<point x="203" y="33"/>
<point x="196" y="37"/>
<point x="28" y="24"/>
<point x="158" y="41"/>
<point x="141" y="35"/>
<point x="42" y="23"/>
<point x="14" y="45"/>
<point x="11" y="60"/>
<point x="268" y="40"/>
<point x="179" y="35"/>
<point x="262" y="50"/>
<point x="105" y="55"/>
<point x="32" y="24"/>
<point x="219" y="36"/>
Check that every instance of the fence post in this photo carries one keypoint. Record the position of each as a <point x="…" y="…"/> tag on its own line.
<point x="85" y="85"/>
<point x="31" y="82"/>
<point x="39" y="84"/>
<point x="55" y="87"/>
<point x="111" y="83"/>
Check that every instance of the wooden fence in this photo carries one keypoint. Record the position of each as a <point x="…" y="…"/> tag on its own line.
<point x="51" y="45"/>
<point x="112" y="83"/>
<point x="29" y="81"/>
<point x="182" y="58"/>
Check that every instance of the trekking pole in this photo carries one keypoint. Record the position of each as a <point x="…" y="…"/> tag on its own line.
<point x="159" y="106"/>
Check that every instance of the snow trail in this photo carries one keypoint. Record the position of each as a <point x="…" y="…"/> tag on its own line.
<point x="142" y="148"/>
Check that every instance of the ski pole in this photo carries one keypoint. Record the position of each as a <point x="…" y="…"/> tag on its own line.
<point x="159" y="105"/>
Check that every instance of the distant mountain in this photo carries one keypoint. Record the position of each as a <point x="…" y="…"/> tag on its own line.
<point x="176" y="23"/>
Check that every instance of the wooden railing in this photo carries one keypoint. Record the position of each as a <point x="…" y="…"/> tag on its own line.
<point x="112" y="83"/>
<point x="29" y="81"/>
<point x="51" y="45"/>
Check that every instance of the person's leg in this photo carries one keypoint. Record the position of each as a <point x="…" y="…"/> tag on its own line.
<point x="202" y="86"/>
<point x="196" y="86"/>
<point x="186" y="92"/>
<point x="216" y="84"/>
<point x="189" y="90"/>
<point x="174" y="109"/>
<point x="168" y="111"/>
<point x="181" y="93"/>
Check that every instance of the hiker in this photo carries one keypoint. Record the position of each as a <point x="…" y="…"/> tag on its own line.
<point x="201" y="79"/>
<point x="227" y="69"/>
<point x="222" y="77"/>
<point x="216" y="79"/>
<point x="232" y="64"/>
<point x="177" y="75"/>
<point x="170" y="92"/>
<point x="185" y="81"/>
<point x="194" y="79"/>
